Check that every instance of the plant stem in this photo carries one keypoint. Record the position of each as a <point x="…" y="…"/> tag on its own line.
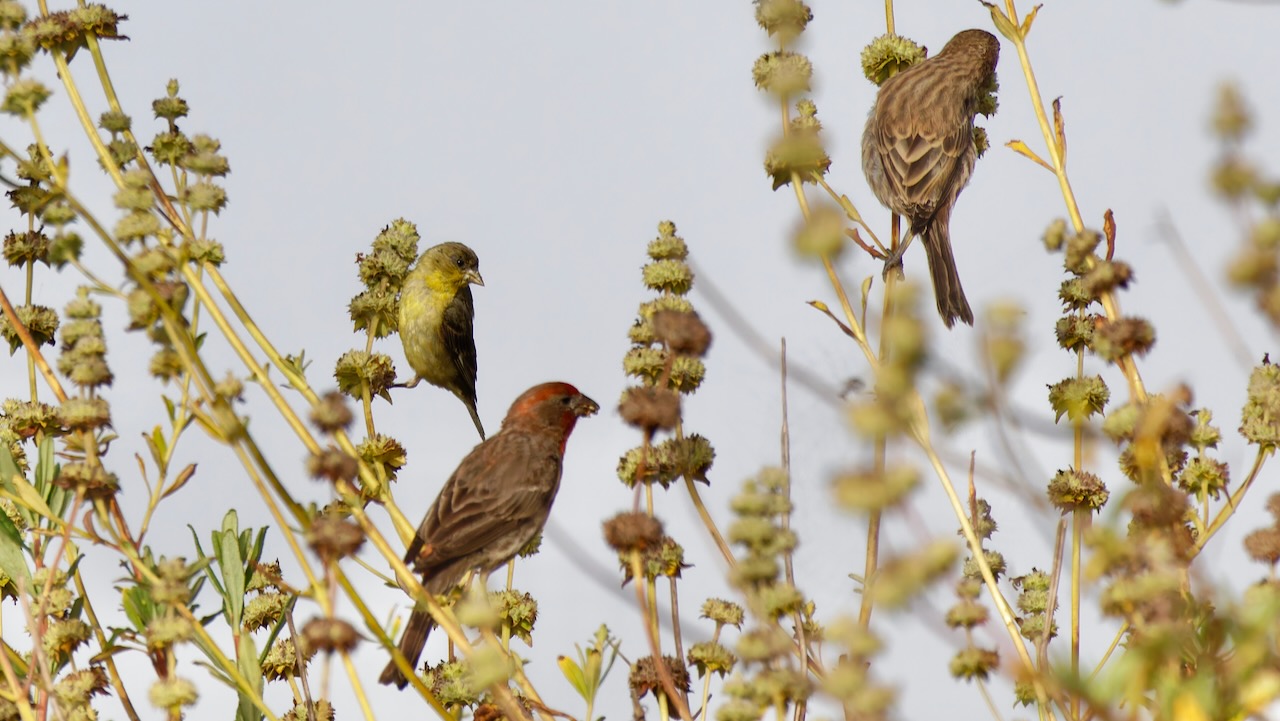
<point x="670" y="692"/>
<point x="788" y="556"/>
<point x="1057" y="154"/>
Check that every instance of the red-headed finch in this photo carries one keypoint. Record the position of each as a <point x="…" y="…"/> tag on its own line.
<point x="436" y="321"/>
<point x="918" y="151"/>
<point x="493" y="504"/>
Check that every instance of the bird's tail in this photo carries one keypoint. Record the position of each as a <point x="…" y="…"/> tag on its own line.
<point x="475" y="416"/>
<point x="411" y="644"/>
<point x="952" y="304"/>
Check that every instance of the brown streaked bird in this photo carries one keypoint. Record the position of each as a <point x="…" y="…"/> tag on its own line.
<point x="436" y="322"/>
<point x="918" y="152"/>
<point x="494" y="503"/>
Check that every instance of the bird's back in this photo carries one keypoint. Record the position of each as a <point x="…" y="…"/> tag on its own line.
<point x="920" y="143"/>
<point x="494" y="503"/>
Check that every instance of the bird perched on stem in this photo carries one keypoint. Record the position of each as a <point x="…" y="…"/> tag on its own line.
<point x="918" y="152"/>
<point x="437" y="322"/>
<point x="493" y="504"/>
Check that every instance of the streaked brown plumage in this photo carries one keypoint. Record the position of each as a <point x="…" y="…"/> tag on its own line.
<point x="494" y="503"/>
<point x="918" y="152"/>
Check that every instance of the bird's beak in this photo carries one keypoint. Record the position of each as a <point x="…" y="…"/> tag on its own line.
<point x="583" y="406"/>
<point x="473" y="277"/>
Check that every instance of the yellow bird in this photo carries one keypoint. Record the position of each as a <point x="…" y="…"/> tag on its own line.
<point x="437" y="321"/>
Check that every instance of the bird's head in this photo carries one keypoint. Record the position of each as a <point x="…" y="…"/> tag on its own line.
<point x="978" y="47"/>
<point x="450" y="266"/>
<point x="553" y="407"/>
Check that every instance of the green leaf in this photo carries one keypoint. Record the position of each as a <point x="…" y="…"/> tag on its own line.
<point x="205" y="560"/>
<point x="183" y="476"/>
<point x="109" y="651"/>
<point x="231" y="563"/>
<point x="56" y="497"/>
<point x="8" y="473"/>
<point x="210" y="426"/>
<point x="573" y="673"/>
<point x="139" y="607"/>
<point x="157" y="446"/>
<point x="8" y="466"/>
<point x="591" y="669"/>
<point x="1003" y="23"/>
<point x="1030" y="18"/>
<point x="26" y="496"/>
<point x="247" y="662"/>
<point x="254" y="553"/>
<point x="13" y="560"/>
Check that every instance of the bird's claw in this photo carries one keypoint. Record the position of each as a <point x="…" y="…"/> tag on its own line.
<point x="892" y="263"/>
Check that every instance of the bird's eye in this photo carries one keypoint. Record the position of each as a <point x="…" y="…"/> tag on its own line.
<point x="459" y="262"/>
<point x="566" y="400"/>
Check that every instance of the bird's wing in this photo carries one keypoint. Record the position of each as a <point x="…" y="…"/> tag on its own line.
<point x="457" y="331"/>
<point x="920" y="165"/>
<point x="507" y="484"/>
<point x="922" y="155"/>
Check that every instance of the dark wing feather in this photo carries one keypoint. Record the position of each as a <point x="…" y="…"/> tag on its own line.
<point x="457" y="331"/>
<point x="925" y="141"/>
<point x="494" y="499"/>
<point x="920" y="167"/>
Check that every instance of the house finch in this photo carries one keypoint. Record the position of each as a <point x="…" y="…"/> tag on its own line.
<point x="436" y="314"/>
<point x="493" y="504"/>
<point x="918" y="151"/>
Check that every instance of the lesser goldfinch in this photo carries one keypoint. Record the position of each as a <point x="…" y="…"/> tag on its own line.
<point x="918" y="151"/>
<point x="437" y="321"/>
<point x="493" y="504"/>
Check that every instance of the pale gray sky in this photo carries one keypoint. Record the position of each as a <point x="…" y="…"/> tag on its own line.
<point x="552" y="137"/>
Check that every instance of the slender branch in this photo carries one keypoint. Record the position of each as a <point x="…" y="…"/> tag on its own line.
<point x="1057" y="154"/>
<point x="1042" y="643"/>
<point x="1223" y="321"/>
<point x="113" y="672"/>
<point x="788" y="556"/>
<point x="225" y="665"/>
<point x="975" y="547"/>
<point x="659" y="663"/>
<point x="32" y="348"/>
<point x="710" y="524"/>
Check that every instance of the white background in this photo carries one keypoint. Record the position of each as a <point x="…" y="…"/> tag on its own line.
<point x="552" y="137"/>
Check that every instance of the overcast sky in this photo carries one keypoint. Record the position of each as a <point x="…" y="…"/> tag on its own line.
<point x="552" y="137"/>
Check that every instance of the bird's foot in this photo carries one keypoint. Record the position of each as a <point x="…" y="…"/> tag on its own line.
<point x="894" y="263"/>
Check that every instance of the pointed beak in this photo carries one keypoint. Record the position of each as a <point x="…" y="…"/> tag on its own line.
<point x="473" y="277"/>
<point x="583" y="406"/>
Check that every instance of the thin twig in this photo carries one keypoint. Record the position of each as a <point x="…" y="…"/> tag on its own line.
<point x="787" y="557"/>
<point x="1042" y="644"/>
<point x="39" y="664"/>
<point x="32" y="348"/>
<point x="1223" y="321"/>
<point x="755" y="342"/>
<point x="302" y="666"/>
<point x="659" y="663"/>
